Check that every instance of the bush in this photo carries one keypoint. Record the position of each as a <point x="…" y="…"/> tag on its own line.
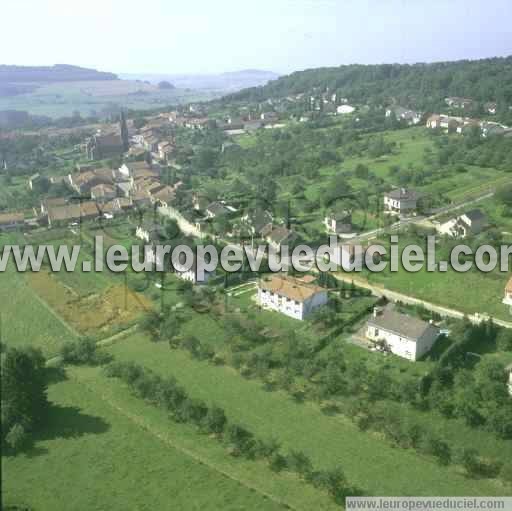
<point x="215" y="420"/>
<point x="299" y="462"/>
<point x="17" y="438"/>
<point x="83" y="352"/>
<point x="277" y="462"/>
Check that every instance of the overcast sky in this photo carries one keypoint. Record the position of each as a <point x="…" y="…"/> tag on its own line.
<point x="205" y="36"/>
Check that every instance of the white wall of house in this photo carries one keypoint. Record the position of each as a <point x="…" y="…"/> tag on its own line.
<point x="399" y="205"/>
<point x="403" y="346"/>
<point x="289" y="307"/>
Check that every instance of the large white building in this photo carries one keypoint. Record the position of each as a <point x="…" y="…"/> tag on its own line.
<point x="295" y="297"/>
<point x="403" y="335"/>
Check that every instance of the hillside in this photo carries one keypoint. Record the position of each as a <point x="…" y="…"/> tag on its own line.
<point x="225" y="82"/>
<point x="419" y="85"/>
<point x="57" y="73"/>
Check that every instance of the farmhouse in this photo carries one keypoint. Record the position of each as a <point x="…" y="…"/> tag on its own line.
<point x="403" y="335"/>
<point x="401" y="201"/>
<point x="338" y="223"/>
<point x="291" y="296"/>
<point x="11" y="221"/>
<point x="471" y="222"/>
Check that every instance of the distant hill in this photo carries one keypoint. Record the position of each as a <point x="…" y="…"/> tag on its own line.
<point x="57" y="73"/>
<point x="225" y="82"/>
<point x="16" y="80"/>
<point x="421" y="85"/>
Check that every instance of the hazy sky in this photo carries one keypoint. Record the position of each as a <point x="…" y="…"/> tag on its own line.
<point x="202" y="36"/>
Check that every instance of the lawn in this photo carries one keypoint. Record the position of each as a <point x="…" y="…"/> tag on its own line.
<point x="369" y="461"/>
<point x="469" y="292"/>
<point x="26" y="318"/>
<point x="104" y="449"/>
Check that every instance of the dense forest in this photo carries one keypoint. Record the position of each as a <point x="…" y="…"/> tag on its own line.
<point x="422" y="86"/>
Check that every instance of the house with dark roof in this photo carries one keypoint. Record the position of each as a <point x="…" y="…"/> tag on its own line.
<point x="401" y="201"/>
<point x="338" y="222"/>
<point x="278" y="236"/>
<point x="100" y="147"/>
<point x="292" y="296"/>
<point x="404" y="335"/>
<point x="11" y="221"/>
<point x="469" y="223"/>
<point x="150" y="232"/>
<point x="257" y="219"/>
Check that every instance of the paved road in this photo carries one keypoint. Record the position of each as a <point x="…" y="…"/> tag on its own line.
<point x="394" y="296"/>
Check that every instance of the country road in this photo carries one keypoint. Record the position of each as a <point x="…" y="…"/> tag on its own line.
<point x="395" y="296"/>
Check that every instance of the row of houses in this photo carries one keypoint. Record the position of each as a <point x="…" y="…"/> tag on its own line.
<point x="462" y="125"/>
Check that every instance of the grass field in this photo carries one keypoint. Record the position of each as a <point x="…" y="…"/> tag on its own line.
<point x="368" y="460"/>
<point x="62" y="99"/>
<point x="26" y="318"/>
<point x="106" y="450"/>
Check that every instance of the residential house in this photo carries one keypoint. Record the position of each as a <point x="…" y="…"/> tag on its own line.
<point x="490" y="129"/>
<point x="100" y="147"/>
<point x="165" y="150"/>
<point x="338" y="222"/>
<point x="252" y="125"/>
<point x="11" y="221"/>
<point x="34" y="180"/>
<point x="83" y="182"/>
<point x="150" y="232"/>
<point x="410" y="117"/>
<point x="46" y="204"/>
<point x="401" y="201"/>
<point x="257" y="220"/>
<point x="72" y="212"/>
<point x="276" y="237"/>
<point x="461" y="103"/>
<point x="163" y="195"/>
<point x="470" y="223"/>
<point x="444" y="122"/>
<point x="292" y="296"/>
<point x="216" y="209"/>
<point x="404" y="335"/>
<point x="491" y="107"/>
<point x="344" y="109"/>
<point x="507" y="299"/>
<point x="269" y="116"/>
<point x="103" y="192"/>
<point x="190" y="273"/>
